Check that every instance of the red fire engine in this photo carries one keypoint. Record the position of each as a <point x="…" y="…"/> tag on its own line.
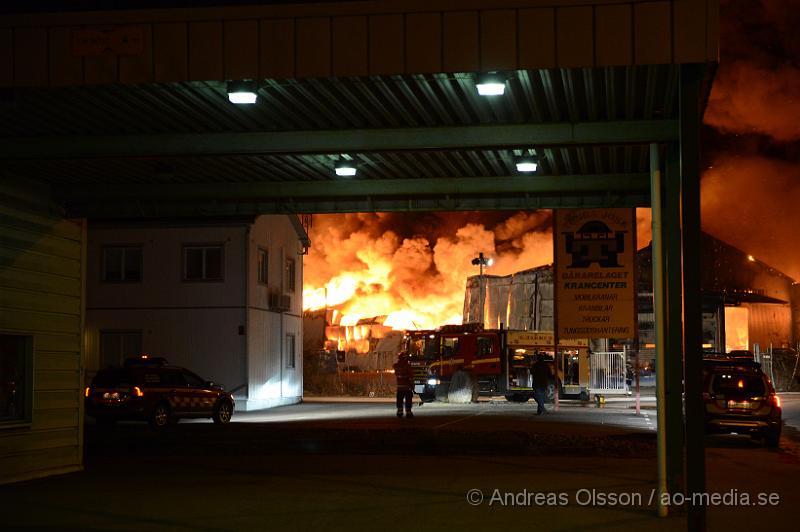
<point x="468" y="359"/>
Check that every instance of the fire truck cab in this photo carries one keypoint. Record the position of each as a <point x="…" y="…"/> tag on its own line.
<point x="493" y="362"/>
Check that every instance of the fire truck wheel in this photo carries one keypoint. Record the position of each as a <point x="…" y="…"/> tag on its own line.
<point x="463" y="388"/>
<point x="517" y="398"/>
<point x="442" y="391"/>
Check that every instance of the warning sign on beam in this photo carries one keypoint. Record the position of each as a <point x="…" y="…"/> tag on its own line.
<point x="113" y="40"/>
<point x="595" y="273"/>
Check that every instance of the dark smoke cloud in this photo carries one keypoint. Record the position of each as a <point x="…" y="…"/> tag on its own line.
<point x="751" y="187"/>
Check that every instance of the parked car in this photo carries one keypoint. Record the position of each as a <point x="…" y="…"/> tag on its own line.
<point x="149" y="389"/>
<point x="739" y="398"/>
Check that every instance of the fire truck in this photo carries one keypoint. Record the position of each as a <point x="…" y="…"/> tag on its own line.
<point x="459" y="359"/>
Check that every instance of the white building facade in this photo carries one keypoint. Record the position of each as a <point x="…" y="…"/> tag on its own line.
<point x="222" y="298"/>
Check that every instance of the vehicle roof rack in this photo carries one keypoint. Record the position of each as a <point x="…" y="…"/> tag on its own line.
<point x="145" y="361"/>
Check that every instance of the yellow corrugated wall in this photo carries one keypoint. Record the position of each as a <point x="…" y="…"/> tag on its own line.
<point x="42" y="296"/>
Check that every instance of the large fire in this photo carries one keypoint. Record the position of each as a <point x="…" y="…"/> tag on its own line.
<point x="412" y="268"/>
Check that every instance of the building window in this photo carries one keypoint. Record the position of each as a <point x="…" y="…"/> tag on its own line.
<point x="263" y="266"/>
<point x="290" y="351"/>
<point x="122" y="264"/>
<point x="202" y="263"/>
<point x="116" y="346"/>
<point x="290" y="275"/>
<point x="16" y="378"/>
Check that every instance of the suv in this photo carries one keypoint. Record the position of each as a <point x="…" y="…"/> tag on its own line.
<point x="740" y="398"/>
<point x="151" y="390"/>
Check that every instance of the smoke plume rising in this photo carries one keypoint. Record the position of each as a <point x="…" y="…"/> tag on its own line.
<point x="751" y="186"/>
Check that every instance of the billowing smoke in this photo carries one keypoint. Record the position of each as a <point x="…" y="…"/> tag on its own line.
<point x="754" y="203"/>
<point x="379" y="264"/>
<point x="756" y="89"/>
<point x="751" y="186"/>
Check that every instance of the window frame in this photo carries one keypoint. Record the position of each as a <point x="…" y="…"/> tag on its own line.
<point x="291" y="359"/>
<point x="123" y="247"/>
<point x="291" y="274"/>
<point x="262" y="269"/>
<point x="204" y="247"/>
<point x="120" y="333"/>
<point x="26" y="418"/>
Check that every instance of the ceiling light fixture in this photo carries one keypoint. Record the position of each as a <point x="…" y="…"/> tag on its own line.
<point x="345" y="168"/>
<point x="491" y="85"/>
<point x="527" y="163"/>
<point x="242" y="92"/>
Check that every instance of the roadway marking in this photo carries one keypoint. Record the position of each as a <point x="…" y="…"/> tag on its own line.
<point x="459" y="419"/>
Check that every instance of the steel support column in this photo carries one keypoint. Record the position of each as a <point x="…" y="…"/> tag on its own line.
<point x="690" y="98"/>
<point x="673" y="337"/>
<point x="659" y="312"/>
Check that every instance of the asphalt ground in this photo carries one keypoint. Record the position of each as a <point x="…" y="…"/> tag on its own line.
<point x="354" y="466"/>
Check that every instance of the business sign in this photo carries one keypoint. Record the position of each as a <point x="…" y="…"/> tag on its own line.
<point x="113" y="40"/>
<point x="595" y="273"/>
<point x="542" y="339"/>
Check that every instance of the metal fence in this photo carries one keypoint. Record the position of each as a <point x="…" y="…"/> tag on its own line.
<point x="607" y="373"/>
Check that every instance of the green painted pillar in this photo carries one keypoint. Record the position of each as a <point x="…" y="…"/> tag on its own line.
<point x="690" y="98"/>
<point x="673" y="336"/>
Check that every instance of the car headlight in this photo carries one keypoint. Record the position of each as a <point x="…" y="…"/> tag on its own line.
<point x="433" y="382"/>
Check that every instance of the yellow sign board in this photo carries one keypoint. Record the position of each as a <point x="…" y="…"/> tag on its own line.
<point x="595" y="273"/>
<point x="542" y="339"/>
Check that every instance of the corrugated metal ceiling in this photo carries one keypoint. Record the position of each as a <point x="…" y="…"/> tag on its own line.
<point x="532" y="97"/>
<point x="540" y="96"/>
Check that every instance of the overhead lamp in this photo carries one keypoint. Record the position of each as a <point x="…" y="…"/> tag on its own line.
<point x="345" y="168"/>
<point x="242" y="92"/>
<point x="526" y="163"/>
<point x="491" y="85"/>
<point x="482" y="260"/>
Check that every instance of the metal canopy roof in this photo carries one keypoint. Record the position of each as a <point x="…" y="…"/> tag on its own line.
<point x="183" y="149"/>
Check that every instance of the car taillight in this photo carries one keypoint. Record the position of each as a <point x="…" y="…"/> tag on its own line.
<point x="86" y="392"/>
<point x="776" y="401"/>
<point x="138" y="391"/>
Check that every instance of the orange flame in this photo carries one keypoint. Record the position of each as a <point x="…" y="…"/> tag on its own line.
<point x="363" y="267"/>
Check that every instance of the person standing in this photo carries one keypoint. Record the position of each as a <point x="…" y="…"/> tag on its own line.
<point x="404" y="375"/>
<point x="541" y="380"/>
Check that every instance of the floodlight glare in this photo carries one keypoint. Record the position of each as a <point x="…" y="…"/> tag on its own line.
<point x="345" y="168"/>
<point x="491" y="85"/>
<point x="491" y="89"/>
<point x="242" y="92"/>
<point x="527" y="164"/>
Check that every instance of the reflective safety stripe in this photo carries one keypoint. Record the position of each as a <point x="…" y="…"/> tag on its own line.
<point x="192" y="402"/>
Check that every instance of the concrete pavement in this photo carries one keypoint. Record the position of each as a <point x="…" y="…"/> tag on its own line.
<point x="354" y="466"/>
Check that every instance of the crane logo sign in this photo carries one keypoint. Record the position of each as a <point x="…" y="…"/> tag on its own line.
<point x="595" y="242"/>
<point x="595" y="273"/>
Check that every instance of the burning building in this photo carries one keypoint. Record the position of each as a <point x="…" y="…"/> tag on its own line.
<point x="369" y="344"/>
<point x="747" y="304"/>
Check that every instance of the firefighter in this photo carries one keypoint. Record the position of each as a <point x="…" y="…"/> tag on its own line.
<point x="541" y="380"/>
<point x="404" y="374"/>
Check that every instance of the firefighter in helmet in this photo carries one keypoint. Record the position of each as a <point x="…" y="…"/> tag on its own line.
<point x="404" y="375"/>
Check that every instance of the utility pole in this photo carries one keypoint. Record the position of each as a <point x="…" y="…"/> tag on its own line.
<point x="481" y="261"/>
